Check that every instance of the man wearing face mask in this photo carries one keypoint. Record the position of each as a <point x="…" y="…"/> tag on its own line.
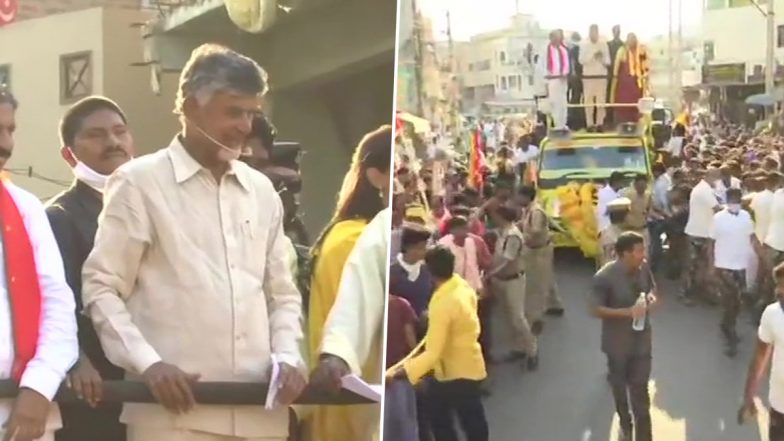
<point x="188" y="279"/>
<point x="703" y="204"/>
<point x="732" y="239"/>
<point x="95" y="142"/>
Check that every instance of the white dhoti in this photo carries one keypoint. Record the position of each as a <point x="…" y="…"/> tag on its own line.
<point x="557" y="89"/>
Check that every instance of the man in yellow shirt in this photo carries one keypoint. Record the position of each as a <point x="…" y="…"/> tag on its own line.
<point x="452" y="352"/>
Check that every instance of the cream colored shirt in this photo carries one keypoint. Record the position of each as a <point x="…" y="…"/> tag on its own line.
<point x="194" y="273"/>
<point x="591" y="65"/>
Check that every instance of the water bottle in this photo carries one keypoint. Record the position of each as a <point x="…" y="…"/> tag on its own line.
<point x="638" y="324"/>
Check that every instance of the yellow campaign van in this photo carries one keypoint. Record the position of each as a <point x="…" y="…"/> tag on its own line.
<point x="572" y="167"/>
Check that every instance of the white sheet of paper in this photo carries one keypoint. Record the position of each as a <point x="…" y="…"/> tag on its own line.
<point x="357" y="385"/>
<point x="272" y="392"/>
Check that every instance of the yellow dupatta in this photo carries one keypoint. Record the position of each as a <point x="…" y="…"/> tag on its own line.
<point x="638" y="68"/>
<point x="327" y="423"/>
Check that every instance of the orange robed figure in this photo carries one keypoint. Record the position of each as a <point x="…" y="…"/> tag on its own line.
<point x="630" y="79"/>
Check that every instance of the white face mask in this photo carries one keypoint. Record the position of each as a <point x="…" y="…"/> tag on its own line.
<point x="89" y="176"/>
<point x="733" y="208"/>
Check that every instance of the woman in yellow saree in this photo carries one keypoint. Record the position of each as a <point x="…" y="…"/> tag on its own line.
<point x="359" y="200"/>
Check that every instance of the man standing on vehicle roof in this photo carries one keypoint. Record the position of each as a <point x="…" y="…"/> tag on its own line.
<point x="557" y="69"/>
<point x="595" y="59"/>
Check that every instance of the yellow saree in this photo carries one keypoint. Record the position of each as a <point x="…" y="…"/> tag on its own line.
<point x="330" y="423"/>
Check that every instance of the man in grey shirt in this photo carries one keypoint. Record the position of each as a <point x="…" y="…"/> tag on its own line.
<point x="615" y="290"/>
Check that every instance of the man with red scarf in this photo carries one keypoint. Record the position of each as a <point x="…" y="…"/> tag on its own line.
<point x="38" y="338"/>
<point x="557" y="69"/>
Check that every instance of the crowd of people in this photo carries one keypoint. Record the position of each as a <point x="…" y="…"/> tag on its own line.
<point x="454" y="256"/>
<point x="593" y="73"/>
<point x="182" y="266"/>
<point x="710" y="219"/>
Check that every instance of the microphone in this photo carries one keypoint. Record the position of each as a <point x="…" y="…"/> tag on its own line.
<point x="234" y="153"/>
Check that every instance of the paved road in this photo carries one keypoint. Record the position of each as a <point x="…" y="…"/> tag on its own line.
<point x="695" y="388"/>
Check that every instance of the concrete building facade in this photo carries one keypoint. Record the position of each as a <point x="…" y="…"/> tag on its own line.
<point x="735" y="61"/>
<point x="64" y="57"/>
<point x="498" y="73"/>
<point x="747" y="47"/>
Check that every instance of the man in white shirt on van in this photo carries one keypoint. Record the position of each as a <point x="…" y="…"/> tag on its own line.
<point x="703" y="204"/>
<point x="595" y="59"/>
<point x="732" y="240"/>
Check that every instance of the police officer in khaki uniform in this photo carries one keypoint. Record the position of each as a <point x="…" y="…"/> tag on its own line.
<point x="507" y="280"/>
<point x="640" y="208"/>
<point x="538" y="260"/>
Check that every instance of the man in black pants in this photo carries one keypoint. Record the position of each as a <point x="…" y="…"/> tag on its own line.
<point x="615" y="291"/>
<point x="452" y="353"/>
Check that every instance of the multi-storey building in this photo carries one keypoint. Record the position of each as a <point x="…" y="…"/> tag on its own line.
<point x="735" y="61"/>
<point x="499" y="73"/>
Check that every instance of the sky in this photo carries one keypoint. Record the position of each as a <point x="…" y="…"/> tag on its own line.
<point x="647" y="18"/>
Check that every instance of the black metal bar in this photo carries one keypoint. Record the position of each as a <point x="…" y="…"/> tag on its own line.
<point x="224" y="393"/>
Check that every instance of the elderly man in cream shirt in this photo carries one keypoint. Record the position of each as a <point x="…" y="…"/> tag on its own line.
<point x="189" y="278"/>
<point x="353" y="334"/>
<point x="595" y="58"/>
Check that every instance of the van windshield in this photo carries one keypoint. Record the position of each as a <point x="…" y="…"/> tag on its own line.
<point x="599" y="156"/>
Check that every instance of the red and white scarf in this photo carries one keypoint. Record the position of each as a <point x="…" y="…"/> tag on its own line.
<point x="562" y="53"/>
<point x="24" y="290"/>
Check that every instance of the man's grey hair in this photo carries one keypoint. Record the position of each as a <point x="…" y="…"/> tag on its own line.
<point x="6" y="97"/>
<point x="213" y="68"/>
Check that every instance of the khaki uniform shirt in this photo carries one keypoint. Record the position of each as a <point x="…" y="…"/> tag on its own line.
<point x="637" y="219"/>
<point x="535" y="227"/>
<point x="510" y="247"/>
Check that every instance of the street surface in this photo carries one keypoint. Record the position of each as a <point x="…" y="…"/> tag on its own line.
<point x="695" y="388"/>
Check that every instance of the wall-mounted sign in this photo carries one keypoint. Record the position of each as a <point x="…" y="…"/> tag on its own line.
<point x="731" y="73"/>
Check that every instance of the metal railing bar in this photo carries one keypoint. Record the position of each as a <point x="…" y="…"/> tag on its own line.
<point x="215" y="393"/>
